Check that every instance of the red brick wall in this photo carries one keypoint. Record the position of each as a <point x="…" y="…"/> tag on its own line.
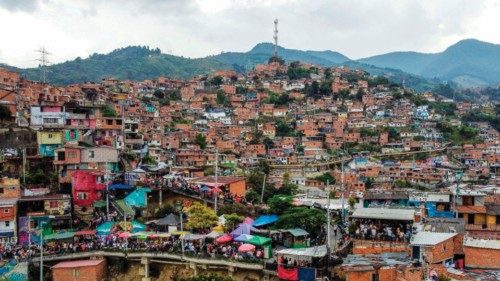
<point x="482" y="258"/>
<point x="356" y="276"/>
<point x="440" y="252"/>
<point x="88" y="273"/>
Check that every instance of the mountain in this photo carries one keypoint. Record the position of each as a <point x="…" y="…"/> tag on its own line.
<point x="140" y="63"/>
<point x="469" y="62"/>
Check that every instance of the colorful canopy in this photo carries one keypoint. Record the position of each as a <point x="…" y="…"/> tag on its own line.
<point x="246" y="248"/>
<point x="85" y="232"/>
<point x="204" y="188"/>
<point x="120" y="186"/>
<point x="259" y="240"/>
<point x="265" y="220"/>
<point x="125" y="235"/>
<point x="298" y="232"/>
<point x="218" y="228"/>
<point x="137" y="226"/>
<point x="214" y="234"/>
<point x="243" y="228"/>
<point x="59" y="235"/>
<point x="243" y="238"/>
<point x="138" y="198"/>
<point x="224" y="239"/>
<point x="105" y="228"/>
<point x="248" y="220"/>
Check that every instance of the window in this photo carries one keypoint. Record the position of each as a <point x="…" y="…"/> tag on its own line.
<point x="1" y="190"/>
<point x="76" y="272"/>
<point x="6" y="211"/>
<point x="50" y="120"/>
<point x="91" y="154"/>
<point x="50" y="136"/>
<point x="72" y="154"/>
<point x="7" y="223"/>
<point x="53" y="204"/>
<point x="375" y="277"/>
<point x="109" y="121"/>
<point x="81" y="195"/>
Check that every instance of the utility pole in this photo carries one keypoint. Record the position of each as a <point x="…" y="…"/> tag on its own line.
<point x="263" y="187"/>
<point x="43" y="62"/>
<point x="342" y="192"/>
<point x="24" y="167"/>
<point x="328" y="229"/>
<point x="215" y="178"/>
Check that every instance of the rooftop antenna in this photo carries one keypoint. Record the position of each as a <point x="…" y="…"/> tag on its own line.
<point x="43" y="62"/>
<point x="275" y="38"/>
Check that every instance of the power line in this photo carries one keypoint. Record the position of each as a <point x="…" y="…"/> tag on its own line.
<point x="43" y="59"/>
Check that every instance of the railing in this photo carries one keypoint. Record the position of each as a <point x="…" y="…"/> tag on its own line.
<point x="156" y="255"/>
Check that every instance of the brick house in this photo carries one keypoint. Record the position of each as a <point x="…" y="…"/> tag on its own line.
<point x="433" y="247"/>
<point x="477" y="249"/>
<point x="81" y="270"/>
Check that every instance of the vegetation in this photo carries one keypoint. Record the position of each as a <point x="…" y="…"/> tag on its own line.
<point x="232" y="220"/>
<point x="311" y="220"/>
<point x="201" y="140"/>
<point x="492" y="118"/>
<point x="222" y="98"/>
<point x="326" y="177"/>
<point x="164" y="211"/>
<point x="279" y="204"/>
<point x="200" y="217"/>
<point x="108" y="111"/>
<point x="4" y="112"/>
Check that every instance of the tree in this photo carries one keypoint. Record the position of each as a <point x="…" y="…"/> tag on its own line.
<point x="278" y="204"/>
<point x="311" y="220"/>
<point x="351" y="201"/>
<point x="200" y="217"/>
<point x="163" y="211"/>
<point x="108" y="111"/>
<point x="159" y="94"/>
<point x="359" y="94"/>
<point x="326" y="177"/>
<point x="201" y="140"/>
<point x="4" y="112"/>
<point x="222" y="98"/>
<point x="232" y="220"/>
<point x="216" y="81"/>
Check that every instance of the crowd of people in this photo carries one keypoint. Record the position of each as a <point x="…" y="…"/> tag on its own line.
<point x="381" y="231"/>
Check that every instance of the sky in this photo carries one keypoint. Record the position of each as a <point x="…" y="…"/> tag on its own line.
<point x="197" y="28"/>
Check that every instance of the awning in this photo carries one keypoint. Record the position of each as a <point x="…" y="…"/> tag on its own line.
<point x="85" y="232"/>
<point x="7" y="234"/>
<point x="171" y="219"/>
<point x="243" y="228"/>
<point x="120" y="186"/>
<point x="265" y="220"/>
<point x="191" y="237"/>
<point x="99" y="204"/>
<point x="259" y="240"/>
<point x="313" y="252"/>
<point x="243" y="238"/>
<point x="384" y="214"/>
<point x="105" y="228"/>
<point x="298" y="232"/>
<point x="59" y="235"/>
<point x="138" y="198"/>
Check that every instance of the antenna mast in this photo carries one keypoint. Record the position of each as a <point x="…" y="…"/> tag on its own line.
<point x="43" y="63"/>
<point x="275" y="38"/>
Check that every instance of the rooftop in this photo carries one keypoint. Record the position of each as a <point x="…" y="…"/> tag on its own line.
<point x="430" y="238"/>
<point x="384" y="214"/>
<point x="77" y="263"/>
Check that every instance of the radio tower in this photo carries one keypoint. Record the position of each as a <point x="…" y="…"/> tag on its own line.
<point x="43" y="63"/>
<point x="275" y="38"/>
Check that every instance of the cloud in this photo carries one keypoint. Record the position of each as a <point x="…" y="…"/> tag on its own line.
<point x="19" y="5"/>
<point x="196" y="28"/>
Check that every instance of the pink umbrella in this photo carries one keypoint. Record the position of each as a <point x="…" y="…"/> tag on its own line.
<point x="224" y="239"/>
<point x="216" y="190"/>
<point x="248" y="220"/>
<point x="246" y="248"/>
<point x="124" y="235"/>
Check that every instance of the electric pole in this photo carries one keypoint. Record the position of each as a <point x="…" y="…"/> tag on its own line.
<point x="43" y="59"/>
<point x="275" y="37"/>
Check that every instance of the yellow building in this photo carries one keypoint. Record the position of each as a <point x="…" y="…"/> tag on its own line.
<point x="48" y="142"/>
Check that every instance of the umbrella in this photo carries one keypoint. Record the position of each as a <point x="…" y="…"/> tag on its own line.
<point x="214" y="234"/>
<point x="218" y="228"/>
<point x="204" y="188"/>
<point x="124" y="234"/>
<point x="216" y="190"/>
<point x="248" y="220"/>
<point x="246" y="248"/>
<point x="243" y="238"/>
<point x="224" y="239"/>
<point x="105" y="228"/>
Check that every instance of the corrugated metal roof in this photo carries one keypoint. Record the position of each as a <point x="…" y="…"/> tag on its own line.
<point x="78" y="263"/>
<point x="430" y="238"/>
<point x="482" y="243"/>
<point x="384" y="214"/>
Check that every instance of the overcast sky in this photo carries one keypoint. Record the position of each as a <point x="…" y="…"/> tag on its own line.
<point x="196" y="28"/>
